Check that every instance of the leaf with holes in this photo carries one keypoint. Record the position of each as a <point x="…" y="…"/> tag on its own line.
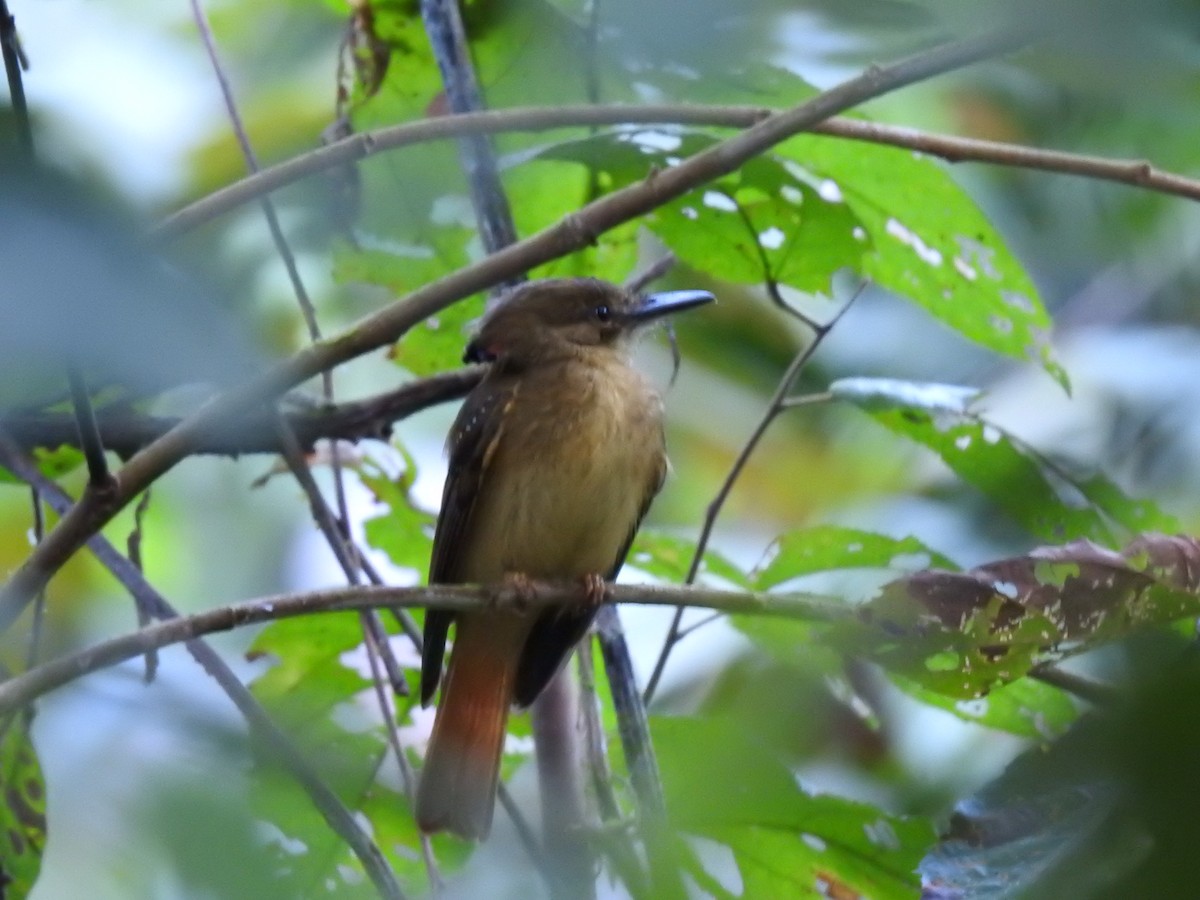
<point x="828" y="547"/>
<point x="1026" y="707"/>
<point x="762" y="223"/>
<point x="964" y="633"/>
<point x="931" y="243"/>
<point x="1041" y="496"/>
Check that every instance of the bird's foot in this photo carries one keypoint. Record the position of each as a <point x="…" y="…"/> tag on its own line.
<point x="595" y="590"/>
<point x="517" y="592"/>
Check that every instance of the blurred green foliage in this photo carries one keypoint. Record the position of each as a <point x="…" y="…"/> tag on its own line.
<point x="782" y="761"/>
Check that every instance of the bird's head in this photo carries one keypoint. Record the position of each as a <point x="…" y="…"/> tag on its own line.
<point x="557" y="318"/>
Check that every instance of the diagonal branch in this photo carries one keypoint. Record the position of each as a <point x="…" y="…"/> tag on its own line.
<point x="389" y="323"/>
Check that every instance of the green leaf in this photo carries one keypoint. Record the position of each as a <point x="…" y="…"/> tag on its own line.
<point x="315" y="694"/>
<point x="404" y="531"/>
<point x="54" y="464"/>
<point x="762" y="223"/>
<point x="723" y="785"/>
<point x="1041" y="495"/>
<point x="436" y="343"/>
<point x="930" y="243"/>
<point x="827" y="547"/>
<point x="1027" y="708"/>
<point x="1003" y="470"/>
<point x="23" y="812"/>
<point x="667" y="557"/>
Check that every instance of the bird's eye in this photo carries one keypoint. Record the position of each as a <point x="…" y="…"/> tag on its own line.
<point x="603" y="313"/>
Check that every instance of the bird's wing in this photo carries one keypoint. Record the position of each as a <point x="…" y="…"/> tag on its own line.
<point x="472" y="444"/>
<point x="556" y="632"/>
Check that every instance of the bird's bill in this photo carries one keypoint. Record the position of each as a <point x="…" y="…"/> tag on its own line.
<point x="655" y="306"/>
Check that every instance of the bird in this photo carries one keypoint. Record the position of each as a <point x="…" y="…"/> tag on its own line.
<point x="554" y="459"/>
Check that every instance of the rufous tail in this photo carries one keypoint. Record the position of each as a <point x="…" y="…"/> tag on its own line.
<point x="457" y="792"/>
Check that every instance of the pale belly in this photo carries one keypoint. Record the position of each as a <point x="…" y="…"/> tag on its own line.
<point x="568" y="490"/>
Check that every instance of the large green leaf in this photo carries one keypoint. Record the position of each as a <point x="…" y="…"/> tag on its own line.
<point x="932" y="244"/>
<point x="724" y="786"/>
<point x="1026" y="707"/>
<point x="826" y="547"/>
<point x="759" y="224"/>
<point x="1041" y="496"/>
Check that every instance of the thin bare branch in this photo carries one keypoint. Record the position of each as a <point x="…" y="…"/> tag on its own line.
<point x="452" y="597"/>
<point x="14" y="62"/>
<point x="1138" y="173"/>
<point x="89" y="433"/>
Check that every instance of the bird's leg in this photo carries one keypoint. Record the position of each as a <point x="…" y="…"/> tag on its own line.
<point x="517" y="593"/>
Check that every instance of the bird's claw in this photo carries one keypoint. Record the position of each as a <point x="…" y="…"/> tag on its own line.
<point x="516" y="593"/>
<point x="595" y="590"/>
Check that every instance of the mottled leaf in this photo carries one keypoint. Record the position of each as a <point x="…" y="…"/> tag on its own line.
<point x="23" y="812"/>
<point x="964" y="633"/>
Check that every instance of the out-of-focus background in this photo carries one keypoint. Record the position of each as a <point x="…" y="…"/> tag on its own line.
<point x="146" y="780"/>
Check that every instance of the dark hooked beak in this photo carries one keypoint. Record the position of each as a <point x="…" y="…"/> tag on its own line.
<point x="655" y="306"/>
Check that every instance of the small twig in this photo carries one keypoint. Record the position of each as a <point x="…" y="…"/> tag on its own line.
<point x="777" y="404"/>
<point x="248" y="154"/>
<point x="696" y="626"/>
<point x="1084" y="688"/>
<point x="89" y="433"/>
<point x="133" y="549"/>
<point x="325" y="800"/>
<point x="39" y="603"/>
<point x="656" y="270"/>
<point x="14" y="62"/>
<point x="593" y="730"/>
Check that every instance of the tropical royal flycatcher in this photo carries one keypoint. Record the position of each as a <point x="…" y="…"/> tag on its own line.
<point x="554" y="459"/>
